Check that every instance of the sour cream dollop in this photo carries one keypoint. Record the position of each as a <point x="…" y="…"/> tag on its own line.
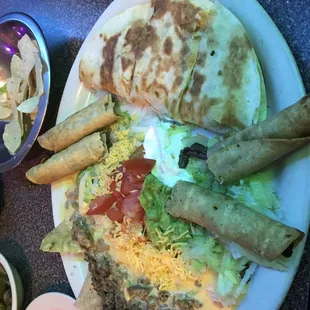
<point x="165" y="148"/>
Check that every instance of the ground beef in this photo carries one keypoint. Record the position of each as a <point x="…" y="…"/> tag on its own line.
<point x="108" y="279"/>
<point x="80" y="232"/>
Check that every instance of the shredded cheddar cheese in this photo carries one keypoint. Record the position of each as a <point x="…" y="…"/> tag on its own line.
<point x="120" y="151"/>
<point x="164" y="268"/>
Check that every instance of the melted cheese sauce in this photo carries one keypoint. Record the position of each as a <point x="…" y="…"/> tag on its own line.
<point x="163" y="268"/>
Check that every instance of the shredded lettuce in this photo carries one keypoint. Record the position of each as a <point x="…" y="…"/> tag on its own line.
<point x="88" y="176"/>
<point x="199" y="249"/>
<point x="256" y="192"/>
<point x="229" y="275"/>
<point x="202" y="251"/>
<point x="212" y="141"/>
<point x="123" y="123"/>
<point x="162" y="228"/>
<point x="176" y="129"/>
<point x="281" y="263"/>
<point x="190" y="140"/>
<point x="200" y="172"/>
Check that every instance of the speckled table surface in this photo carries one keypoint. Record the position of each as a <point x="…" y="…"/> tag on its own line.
<point x="25" y="209"/>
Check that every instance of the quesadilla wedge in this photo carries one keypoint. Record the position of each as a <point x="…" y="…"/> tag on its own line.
<point x="189" y="59"/>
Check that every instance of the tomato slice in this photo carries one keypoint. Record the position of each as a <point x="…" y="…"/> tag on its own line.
<point x="132" y="208"/>
<point x="115" y="215"/>
<point x="119" y="199"/>
<point x="112" y="186"/>
<point x="127" y="187"/>
<point x="101" y="204"/>
<point x="139" y="216"/>
<point x="139" y="167"/>
<point x="119" y="205"/>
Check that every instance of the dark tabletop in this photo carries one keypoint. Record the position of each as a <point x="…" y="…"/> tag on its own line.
<point x="25" y="209"/>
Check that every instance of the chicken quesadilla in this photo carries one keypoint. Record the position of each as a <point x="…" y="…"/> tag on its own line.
<point x="190" y="60"/>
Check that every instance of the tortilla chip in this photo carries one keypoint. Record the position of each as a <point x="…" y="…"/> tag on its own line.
<point x="39" y="78"/>
<point x="29" y="105"/>
<point x="5" y="112"/>
<point x="16" y="67"/>
<point x="29" y="53"/>
<point x="13" y="85"/>
<point x="12" y="136"/>
<point x="88" y="297"/>
<point x="59" y="240"/>
<point x="24" y="90"/>
<point x="32" y="83"/>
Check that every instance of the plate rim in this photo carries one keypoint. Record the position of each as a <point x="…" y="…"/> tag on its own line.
<point x="299" y="82"/>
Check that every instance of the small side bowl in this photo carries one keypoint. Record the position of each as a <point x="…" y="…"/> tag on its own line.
<point x="15" y="282"/>
<point x="19" y="24"/>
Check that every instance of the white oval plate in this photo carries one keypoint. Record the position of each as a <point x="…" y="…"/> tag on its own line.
<point x="284" y="87"/>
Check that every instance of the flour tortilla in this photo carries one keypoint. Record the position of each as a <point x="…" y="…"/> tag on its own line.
<point x="165" y="63"/>
<point x="106" y="64"/>
<point x="227" y="87"/>
<point x="88" y="297"/>
<point x="158" y="54"/>
<point x="82" y="123"/>
<point x="240" y="160"/>
<point x="78" y="156"/>
<point x="291" y="123"/>
<point x="232" y="220"/>
<point x="253" y="148"/>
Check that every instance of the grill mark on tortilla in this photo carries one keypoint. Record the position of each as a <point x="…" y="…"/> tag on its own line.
<point x="184" y="15"/>
<point x="160" y="8"/>
<point x="201" y="60"/>
<point x="144" y="83"/>
<point x="229" y="118"/>
<point x="167" y="64"/>
<point x="187" y="110"/>
<point x="161" y="86"/>
<point x="174" y="109"/>
<point x="207" y="104"/>
<point x="126" y="63"/>
<point x="184" y="53"/>
<point x="199" y="79"/>
<point x="212" y="40"/>
<point x="140" y="37"/>
<point x="177" y="82"/>
<point x="238" y="55"/>
<point x="106" y="70"/>
<point x="168" y="46"/>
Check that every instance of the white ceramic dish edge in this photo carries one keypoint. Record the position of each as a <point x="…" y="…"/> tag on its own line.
<point x="279" y="95"/>
<point x="15" y="283"/>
